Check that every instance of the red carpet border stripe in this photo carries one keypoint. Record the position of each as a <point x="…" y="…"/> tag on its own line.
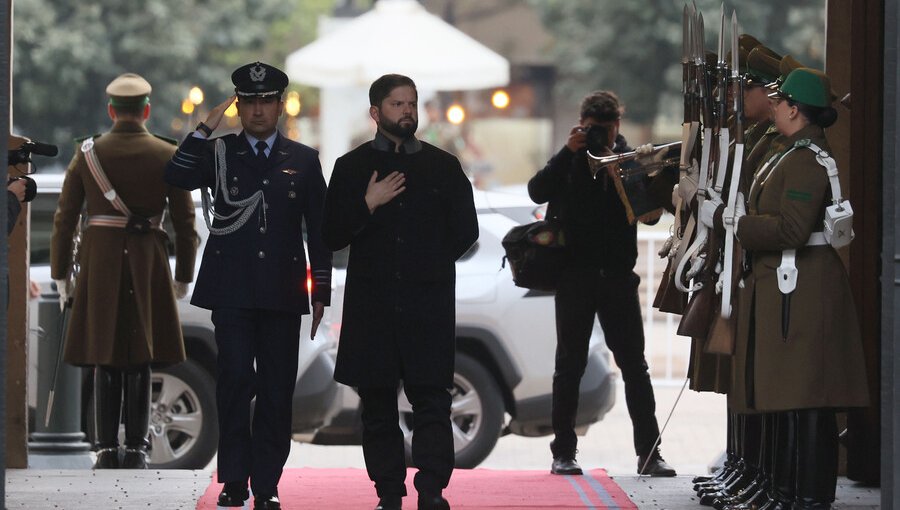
<point x="469" y="489"/>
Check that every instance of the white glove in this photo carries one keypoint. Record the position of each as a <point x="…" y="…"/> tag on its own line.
<point x="645" y="155"/>
<point x="709" y="208"/>
<point x="63" y="292"/>
<point x="180" y="289"/>
<point x="643" y="150"/>
<point x="687" y="185"/>
<point x="740" y="210"/>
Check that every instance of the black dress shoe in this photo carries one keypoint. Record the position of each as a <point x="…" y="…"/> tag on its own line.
<point x="433" y="503"/>
<point x="266" y="503"/>
<point x="134" y="458"/>
<point x="107" y="458"/>
<point x="565" y="466"/>
<point x="233" y="494"/>
<point x="390" y="503"/>
<point x="656" y="466"/>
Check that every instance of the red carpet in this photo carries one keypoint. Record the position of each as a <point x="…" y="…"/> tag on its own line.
<point x="350" y="489"/>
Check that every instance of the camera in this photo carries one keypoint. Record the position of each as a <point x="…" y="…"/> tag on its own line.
<point x="30" y="186"/>
<point x="597" y="138"/>
<point x="24" y="152"/>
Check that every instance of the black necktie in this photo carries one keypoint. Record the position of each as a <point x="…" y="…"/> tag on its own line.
<point x="261" y="151"/>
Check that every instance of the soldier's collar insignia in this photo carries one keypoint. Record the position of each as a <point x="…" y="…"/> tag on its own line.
<point x="257" y="73"/>
<point x="289" y="171"/>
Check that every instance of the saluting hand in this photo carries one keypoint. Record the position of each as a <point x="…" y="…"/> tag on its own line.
<point x="318" y="312"/>
<point x="216" y="114"/>
<point x="381" y="192"/>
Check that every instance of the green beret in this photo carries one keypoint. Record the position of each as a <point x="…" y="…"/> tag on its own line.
<point x="128" y="89"/>
<point x="807" y="86"/>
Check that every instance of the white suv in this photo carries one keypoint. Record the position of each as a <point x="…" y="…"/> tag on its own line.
<point x="183" y="425"/>
<point x="506" y="340"/>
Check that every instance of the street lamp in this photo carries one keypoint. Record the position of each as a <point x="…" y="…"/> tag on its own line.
<point x="456" y="114"/>
<point x="292" y="103"/>
<point x="195" y="95"/>
<point x="500" y="99"/>
<point x="187" y="106"/>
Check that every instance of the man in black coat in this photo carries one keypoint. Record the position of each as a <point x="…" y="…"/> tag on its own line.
<point x="253" y="274"/>
<point x="405" y="208"/>
<point x="598" y="280"/>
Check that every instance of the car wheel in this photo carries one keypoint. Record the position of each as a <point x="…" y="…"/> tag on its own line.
<point x="476" y="413"/>
<point x="184" y="427"/>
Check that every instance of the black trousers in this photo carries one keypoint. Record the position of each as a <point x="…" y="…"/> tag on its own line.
<point x="584" y="293"/>
<point x="257" y="358"/>
<point x="432" y="442"/>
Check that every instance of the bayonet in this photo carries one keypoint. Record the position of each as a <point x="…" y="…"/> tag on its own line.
<point x="688" y="254"/>
<point x="726" y="277"/>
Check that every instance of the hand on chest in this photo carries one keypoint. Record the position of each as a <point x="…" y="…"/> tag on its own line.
<point x="422" y="200"/>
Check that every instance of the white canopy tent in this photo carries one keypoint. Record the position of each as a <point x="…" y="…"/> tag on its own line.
<point x="396" y="36"/>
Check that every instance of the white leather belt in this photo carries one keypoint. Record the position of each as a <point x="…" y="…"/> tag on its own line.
<point x="103" y="220"/>
<point x="787" y="271"/>
<point x="817" y="239"/>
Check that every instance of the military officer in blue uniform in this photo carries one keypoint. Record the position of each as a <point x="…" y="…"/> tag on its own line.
<point x="258" y="189"/>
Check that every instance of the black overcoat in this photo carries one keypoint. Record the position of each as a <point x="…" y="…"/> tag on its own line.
<point x="399" y="303"/>
<point x="261" y="265"/>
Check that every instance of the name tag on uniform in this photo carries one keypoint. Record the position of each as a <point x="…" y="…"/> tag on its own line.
<point x="289" y="171"/>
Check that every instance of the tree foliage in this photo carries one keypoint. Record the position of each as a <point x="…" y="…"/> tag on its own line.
<point x="634" y="48"/>
<point x="65" y="53"/>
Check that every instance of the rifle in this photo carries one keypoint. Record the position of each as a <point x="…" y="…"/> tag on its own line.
<point x="726" y="277"/>
<point x="701" y="78"/>
<point x="705" y="252"/>
<point x="668" y="297"/>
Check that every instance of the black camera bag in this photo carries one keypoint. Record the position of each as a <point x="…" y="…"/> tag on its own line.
<point x="536" y="254"/>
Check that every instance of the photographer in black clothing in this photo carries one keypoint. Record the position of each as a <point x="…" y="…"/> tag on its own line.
<point x="598" y="280"/>
<point x="21" y="189"/>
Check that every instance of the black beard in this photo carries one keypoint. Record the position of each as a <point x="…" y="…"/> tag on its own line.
<point x="399" y="130"/>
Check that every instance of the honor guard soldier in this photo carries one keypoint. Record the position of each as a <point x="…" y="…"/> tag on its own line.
<point x="263" y="188"/>
<point x="796" y="314"/>
<point x="123" y="316"/>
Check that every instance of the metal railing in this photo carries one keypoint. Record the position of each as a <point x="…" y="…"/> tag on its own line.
<point x="667" y="353"/>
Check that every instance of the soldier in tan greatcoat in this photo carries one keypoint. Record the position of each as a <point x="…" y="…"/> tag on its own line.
<point x="805" y="358"/>
<point x="124" y="316"/>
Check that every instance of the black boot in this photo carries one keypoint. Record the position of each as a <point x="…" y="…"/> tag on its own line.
<point x="752" y="445"/>
<point x="107" y="407"/>
<point x="137" y="417"/>
<point x="784" y="461"/>
<point x="817" y="458"/>
<point x="731" y="459"/>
